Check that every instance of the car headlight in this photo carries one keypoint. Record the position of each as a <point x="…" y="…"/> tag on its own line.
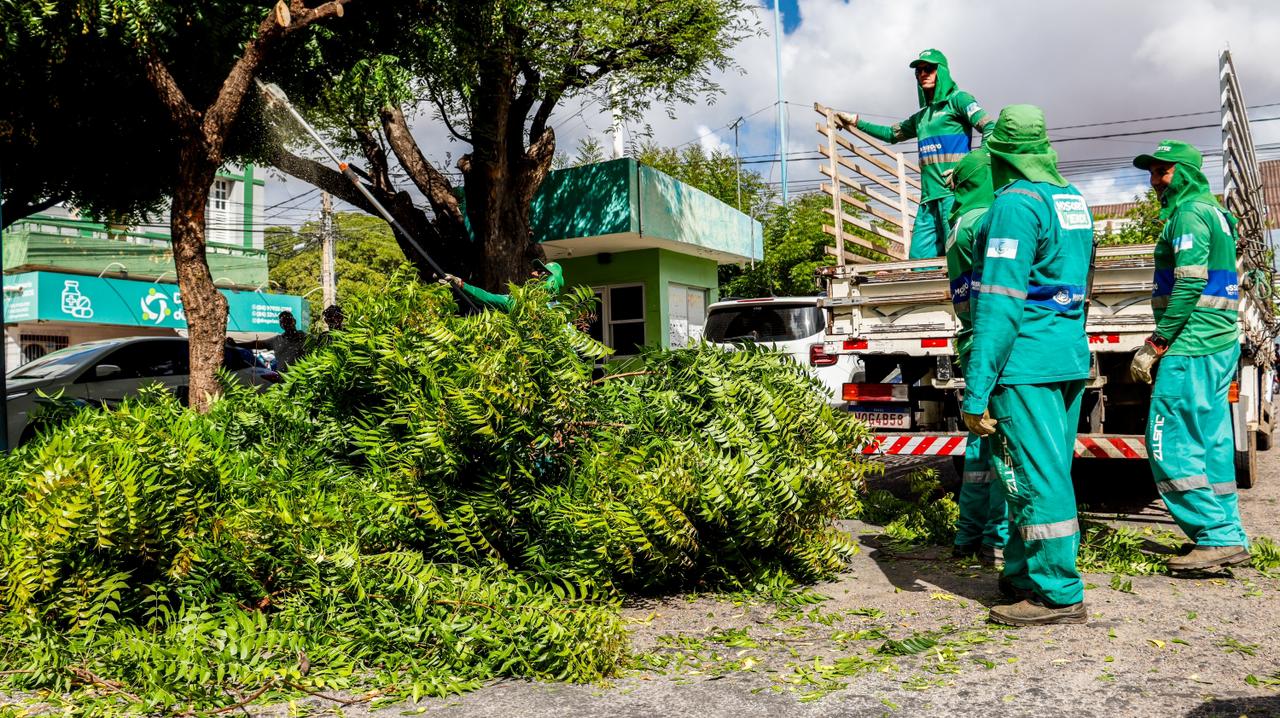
<point x="17" y="395"/>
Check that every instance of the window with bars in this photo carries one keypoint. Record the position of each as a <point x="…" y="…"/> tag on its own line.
<point x="35" y="346"/>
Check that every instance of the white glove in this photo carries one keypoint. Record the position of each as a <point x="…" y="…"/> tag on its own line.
<point x="1144" y="362"/>
<point x="450" y="279"/>
<point x="848" y="119"/>
<point x="981" y="424"/>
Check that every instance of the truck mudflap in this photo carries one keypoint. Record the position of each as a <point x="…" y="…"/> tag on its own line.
<point x="1088" y="446"/>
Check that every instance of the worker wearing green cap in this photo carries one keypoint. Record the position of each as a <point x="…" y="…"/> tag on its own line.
<point x="1029" y="362"/>
<point x="983" y="526"/>
<point x="1196" y="343"/>
<point x="551" y="273"/>
<point x="943" y="126"/>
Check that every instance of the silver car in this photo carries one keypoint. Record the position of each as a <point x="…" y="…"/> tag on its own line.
<point x="111" y="370"/>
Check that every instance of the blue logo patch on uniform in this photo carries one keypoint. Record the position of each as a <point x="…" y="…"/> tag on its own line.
<point x="1002" y="247"/>
<point x="1183" y="242"/>
<point x="1073" y="213"/>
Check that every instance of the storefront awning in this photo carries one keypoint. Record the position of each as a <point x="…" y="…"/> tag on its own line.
<point x="53" y="296"/>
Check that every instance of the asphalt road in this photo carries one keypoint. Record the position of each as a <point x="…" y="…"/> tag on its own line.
<point x="1157" y="646"/>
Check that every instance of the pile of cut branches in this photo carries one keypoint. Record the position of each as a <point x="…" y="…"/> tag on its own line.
<point x="428" y="502"/>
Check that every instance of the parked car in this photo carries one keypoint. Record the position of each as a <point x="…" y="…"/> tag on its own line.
<point x="109" y="371"/>
<point x="792" y="325"/>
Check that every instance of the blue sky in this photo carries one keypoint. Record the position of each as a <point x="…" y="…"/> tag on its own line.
<point x="790" y="14"/>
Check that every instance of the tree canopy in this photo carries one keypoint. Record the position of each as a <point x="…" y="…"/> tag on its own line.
<point x="366" y="255"/>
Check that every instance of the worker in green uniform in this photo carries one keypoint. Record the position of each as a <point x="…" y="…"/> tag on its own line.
<point x="1029" y="361"/>
<point x="551" y="273"/>
<point x="983" y="526"/>
<point x="943" y="127"/>
<point x="1196" y="343"/>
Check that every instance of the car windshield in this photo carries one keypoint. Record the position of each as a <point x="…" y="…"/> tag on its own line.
<point x="763" y="322"/>
<point x="56" y="363"/>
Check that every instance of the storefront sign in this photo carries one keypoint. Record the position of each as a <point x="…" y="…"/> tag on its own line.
<point x="56" y="297"/>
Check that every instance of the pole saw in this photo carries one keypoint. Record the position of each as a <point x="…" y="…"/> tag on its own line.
<point x="276" y="97"/>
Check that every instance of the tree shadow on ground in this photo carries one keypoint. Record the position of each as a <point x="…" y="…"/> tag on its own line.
<point x="1252" y="707"/>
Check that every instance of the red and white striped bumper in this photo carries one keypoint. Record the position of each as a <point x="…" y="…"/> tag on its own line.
<point x="1087" y="446"/>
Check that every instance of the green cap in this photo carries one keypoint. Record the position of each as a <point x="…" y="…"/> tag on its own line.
<point x="1172" y="151"/>
<point x="929" y="57"/>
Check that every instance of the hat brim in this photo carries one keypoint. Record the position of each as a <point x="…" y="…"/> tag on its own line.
<point x="1143" y="162"/>
<point x="917" y="63"/>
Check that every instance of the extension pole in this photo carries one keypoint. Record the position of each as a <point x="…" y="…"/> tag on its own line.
<point x="276" y="96"/>
<point x="4" y="352"/>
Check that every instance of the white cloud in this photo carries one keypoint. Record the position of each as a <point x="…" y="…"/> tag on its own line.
<point x="711" y="141"/>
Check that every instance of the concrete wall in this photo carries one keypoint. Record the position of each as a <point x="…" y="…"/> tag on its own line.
<point x="656" y="269"/>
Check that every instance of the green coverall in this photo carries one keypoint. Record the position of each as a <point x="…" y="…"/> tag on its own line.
<point x="502" y="302"/>
<point x="943" y="126"/>
<point x="1030" y="356"/>
<point x="983" y="515"/>
<point x="1189" y="436"/>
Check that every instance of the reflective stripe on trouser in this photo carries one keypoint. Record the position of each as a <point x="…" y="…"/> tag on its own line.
<point x="1031" y="455"/>
<point x="983" y="516"/>
<point x="1191" y="449"/>
<point x="929" y="234"/>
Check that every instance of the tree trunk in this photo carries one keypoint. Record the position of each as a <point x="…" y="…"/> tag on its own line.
<point x="203" y="304"/>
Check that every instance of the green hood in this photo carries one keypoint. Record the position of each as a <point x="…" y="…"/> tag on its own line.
<point x="1189" y="183"/>
<point x="1020" y="148"/>
<point x="555" y="281"/>
<point x="945" y="86"/>
<point x="971" y="182"/>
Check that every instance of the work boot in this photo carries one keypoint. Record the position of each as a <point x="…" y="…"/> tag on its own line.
<point x="1031" y="612"/>
<point x="1011" y="592"/>
<point x="1206" y="557"/>
<point x="965" y="550"/>
<point x="991" y="556"/>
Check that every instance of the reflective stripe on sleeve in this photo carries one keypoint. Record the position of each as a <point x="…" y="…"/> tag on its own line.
<point x="1193" y="271"/>
<point x="1217" y="303"/>
<point x="1005" y="291"/>
<point x="977" y="477"/>
<point x="1184" y="484"/>
<point x="1225" y="488"/>
<point x="1058" y="529"/>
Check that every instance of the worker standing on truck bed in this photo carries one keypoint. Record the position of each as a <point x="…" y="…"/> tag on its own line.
<point x="983" y="526"/>
<point x="943" y="126"/>
<point x="1029" y="362"/>
<point x="1196" y="342"/>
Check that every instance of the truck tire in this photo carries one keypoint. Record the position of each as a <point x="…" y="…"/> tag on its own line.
<point x="1247" y="463"/>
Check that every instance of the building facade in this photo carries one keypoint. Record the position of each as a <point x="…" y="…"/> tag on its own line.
<point x="648" y="245"/>
<point x="69" y="279"/>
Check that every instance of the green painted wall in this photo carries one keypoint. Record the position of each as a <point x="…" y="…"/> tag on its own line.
<point x="89" y="248"/>
<point x="623" y="196"/>
<point x="656" y="269"/>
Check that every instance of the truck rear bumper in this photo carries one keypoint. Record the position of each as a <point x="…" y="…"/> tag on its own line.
<point x="1088" y="446"/>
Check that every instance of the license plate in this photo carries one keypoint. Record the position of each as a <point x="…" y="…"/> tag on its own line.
<point x="883" y="418"/>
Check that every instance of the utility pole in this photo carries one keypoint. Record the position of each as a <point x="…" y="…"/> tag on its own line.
<point x="328" y="258"/>
<point x="4" y="350"/>
<point x="737" y="160"/>
<point x="782" y="105"/>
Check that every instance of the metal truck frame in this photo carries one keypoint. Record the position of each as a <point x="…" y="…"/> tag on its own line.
<point x="896" y="316"/>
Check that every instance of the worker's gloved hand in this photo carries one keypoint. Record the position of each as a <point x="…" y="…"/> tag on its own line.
<point x="980" y="424"/>
<point x="848" y="119"/>
<point x="450" y="279"/>
<point x="949" y="178"/>
<point x="1142" y="368"/>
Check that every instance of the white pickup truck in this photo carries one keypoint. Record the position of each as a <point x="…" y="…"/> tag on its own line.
<point x="896" y="317"/>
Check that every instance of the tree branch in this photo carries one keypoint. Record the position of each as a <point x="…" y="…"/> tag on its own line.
<point x="324" y="177"/>
<point x="219" y="116"/>
<point x="429" y="180"/>
<point x="166" y="87"/>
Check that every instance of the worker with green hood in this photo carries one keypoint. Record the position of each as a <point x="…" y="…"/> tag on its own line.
<point x="1029" y="361"/>
<point x="1196" y="342"/>
<point x="551" y="273"/>
<point x="983" y="526"/>
<point x="943" y="127"/>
